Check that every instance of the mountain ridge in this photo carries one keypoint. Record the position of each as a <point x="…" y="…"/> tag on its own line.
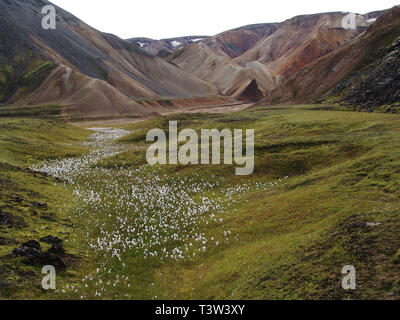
<point x="275" y="63"/>
<point x="130" y="71"/>
<point x="316" y="79"/>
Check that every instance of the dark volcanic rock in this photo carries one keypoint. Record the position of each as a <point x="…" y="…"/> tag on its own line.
<point x="357" y="225"/>
<point x="51" y="239"/>
<point x="39" y="205"/>
<point x="376" y="85"/>
<point x="57" y="249"/>
<point x="34" y="255"/>
<point x="32" y="244"/>
<point x="28" y="249"/>
<point x="5" y="218"/>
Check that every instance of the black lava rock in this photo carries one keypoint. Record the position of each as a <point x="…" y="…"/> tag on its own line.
<point x="28" y="249"/>
<point x="34" y="256"/>
<point x="57" y="249"/>
<point x="51" y="239"/>
<point x="374" y="86"/>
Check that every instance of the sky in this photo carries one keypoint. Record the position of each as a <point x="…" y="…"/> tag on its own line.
<point x="158" y="19"/>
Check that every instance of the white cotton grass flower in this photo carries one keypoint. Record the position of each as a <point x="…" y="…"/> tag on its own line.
<point x="142" y="212"/>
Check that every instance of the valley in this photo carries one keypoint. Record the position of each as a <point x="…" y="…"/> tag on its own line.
<point x="78" y="193"/>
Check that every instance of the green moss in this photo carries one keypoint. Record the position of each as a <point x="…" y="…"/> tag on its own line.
<point x="24" y="140"/>
<point x="174" y="55"/>
<point x="38" y="70"/>
<point x="23" y="77"/>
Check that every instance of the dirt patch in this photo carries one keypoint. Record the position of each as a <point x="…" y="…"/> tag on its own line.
<point x="221" y="109"/>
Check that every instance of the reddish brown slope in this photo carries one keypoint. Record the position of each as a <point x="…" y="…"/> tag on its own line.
<point x="211" y="60"/>
<point x="315" y="79"/>
<point x="300" y="41"/>
<point x="234" y="43"/>
<point x="280" y="52"/>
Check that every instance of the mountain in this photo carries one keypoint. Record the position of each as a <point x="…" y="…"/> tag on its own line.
<point x="301" y="40"/>
<point x="83" y="64"/>
<point x="165" y="47"/>
<point x="212" y="60"/>
<point x="267" y="53"/>
<point x="356" y="66"/>
<point x="232" y="43"/>
<point x="95" y="74"/>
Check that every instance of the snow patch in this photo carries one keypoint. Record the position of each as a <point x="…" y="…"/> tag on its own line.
<point x="371" y="20"/>
<point x="176" y="43"/>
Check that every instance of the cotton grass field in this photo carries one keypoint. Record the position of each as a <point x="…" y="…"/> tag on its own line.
<point x="135" y="215"/>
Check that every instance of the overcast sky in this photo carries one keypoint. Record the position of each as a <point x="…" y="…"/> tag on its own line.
<point x="159" y="19"/>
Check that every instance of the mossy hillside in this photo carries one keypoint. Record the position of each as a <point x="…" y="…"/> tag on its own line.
<point x="27" y="140"/>
<point x="52" y="111"/>
<point x="22" y="75"/>
<point x="36" y="203"/>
